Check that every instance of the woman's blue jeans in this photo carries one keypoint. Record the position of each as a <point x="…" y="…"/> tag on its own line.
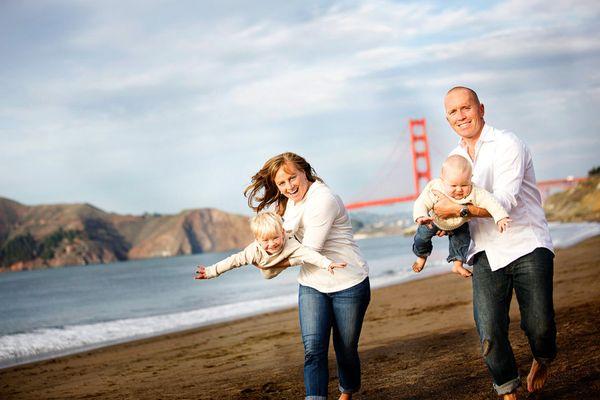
<point x="531" y="278"/>
<point x="343" y="312"/>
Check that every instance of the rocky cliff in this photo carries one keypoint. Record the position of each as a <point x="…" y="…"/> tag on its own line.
<point x="580" y="203"/>
<point x="78" y="234"/>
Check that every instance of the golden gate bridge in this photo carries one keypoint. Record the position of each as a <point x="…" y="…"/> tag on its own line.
<point x="421" y="164"/>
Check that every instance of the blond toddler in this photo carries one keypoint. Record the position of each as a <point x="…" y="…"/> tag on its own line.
<point x="271" y="246"/>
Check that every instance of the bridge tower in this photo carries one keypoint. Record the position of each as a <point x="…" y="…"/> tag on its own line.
<point x="420" y="154"/>
<point x="421" y="167"/>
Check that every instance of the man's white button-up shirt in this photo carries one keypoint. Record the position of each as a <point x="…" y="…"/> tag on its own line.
<point x="503" y="166"/>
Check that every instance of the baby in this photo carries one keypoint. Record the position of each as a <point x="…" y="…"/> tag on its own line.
<point x="455" y="183"/>
<point x="271" y="246"/>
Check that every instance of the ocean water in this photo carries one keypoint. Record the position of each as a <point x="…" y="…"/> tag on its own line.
<point x="47" y="313"/>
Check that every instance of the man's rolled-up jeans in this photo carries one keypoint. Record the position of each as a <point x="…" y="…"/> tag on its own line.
<point x="531" y="278"/>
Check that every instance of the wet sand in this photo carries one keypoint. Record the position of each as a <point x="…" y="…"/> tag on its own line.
<point x="418" y="342"/>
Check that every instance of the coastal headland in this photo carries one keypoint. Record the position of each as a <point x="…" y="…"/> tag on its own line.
<point x="418" y="342"/>
<point x="80" y="234"/>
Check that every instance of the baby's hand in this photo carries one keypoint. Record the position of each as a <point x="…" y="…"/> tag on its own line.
<point x="201" y="272"/>
<point x="503" y="224"/>
<point x="335" y="265"/>
<point x="425" y="221"/>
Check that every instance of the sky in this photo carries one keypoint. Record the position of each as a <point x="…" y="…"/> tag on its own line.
<point x="160" y="106"/>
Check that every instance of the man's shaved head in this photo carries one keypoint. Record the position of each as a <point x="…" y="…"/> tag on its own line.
<point x="471" y="91"/>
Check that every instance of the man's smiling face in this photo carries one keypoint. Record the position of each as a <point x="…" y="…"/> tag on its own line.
<point x="464" y="113"/>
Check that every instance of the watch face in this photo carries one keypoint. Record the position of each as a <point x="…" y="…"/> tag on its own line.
<point x="464" y="212"/>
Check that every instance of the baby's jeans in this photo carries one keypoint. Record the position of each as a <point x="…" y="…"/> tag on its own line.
<point x="459" y="239"/>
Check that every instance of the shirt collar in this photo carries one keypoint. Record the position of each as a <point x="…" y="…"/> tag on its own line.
<point x="487" y="135"/>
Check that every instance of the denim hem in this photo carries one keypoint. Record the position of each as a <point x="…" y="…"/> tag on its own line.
<point x="349" y="391"/>
<point x="422" y="255"/>
<point x="462" y="259"/>
<point x="315" y="398"/>
<point x="508" y="387"/>
<point x="544" y="360"/>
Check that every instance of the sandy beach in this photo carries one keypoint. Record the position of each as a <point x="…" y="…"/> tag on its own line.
<point x="418" y="342"/>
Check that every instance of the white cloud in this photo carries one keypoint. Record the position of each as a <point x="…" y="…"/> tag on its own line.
<point x="142" y="89"/>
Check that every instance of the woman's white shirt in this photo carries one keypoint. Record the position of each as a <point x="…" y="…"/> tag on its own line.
<point x="320" y="221"/>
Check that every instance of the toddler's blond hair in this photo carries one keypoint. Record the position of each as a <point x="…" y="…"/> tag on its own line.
<point x="266" y="224"/>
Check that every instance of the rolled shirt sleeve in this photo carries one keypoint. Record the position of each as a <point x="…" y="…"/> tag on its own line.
<point x="305" y="255"/>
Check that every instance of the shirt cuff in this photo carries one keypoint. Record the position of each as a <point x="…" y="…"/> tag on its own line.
<point x="211" y="272"/>
<point x="295" y="261"/>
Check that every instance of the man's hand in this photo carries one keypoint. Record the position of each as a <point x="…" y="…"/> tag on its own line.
<point x="503" y="224"/>
<point x="201" y="272"/>
<point x="335" y="265"/>
<point x="444" y="207"/>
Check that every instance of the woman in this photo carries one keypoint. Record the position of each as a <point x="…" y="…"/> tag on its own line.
<point x="326" y="301"/>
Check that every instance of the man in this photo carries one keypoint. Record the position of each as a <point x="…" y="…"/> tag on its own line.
<point x="520" y="258"/>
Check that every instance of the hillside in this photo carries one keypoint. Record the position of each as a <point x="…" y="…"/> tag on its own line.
<point x="78" y="234"/>
<point x="581" y="203"/>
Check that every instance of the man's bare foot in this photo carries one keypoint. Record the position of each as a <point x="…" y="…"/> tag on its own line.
<point x="509" y="396"/>
<point x="538" y="374"/>
<point x="345" y="396"/>
<point x="419" y="264"/>
<point x="458" y="268"/>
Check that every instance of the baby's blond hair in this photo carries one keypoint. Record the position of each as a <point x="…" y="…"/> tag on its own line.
<point x="457" y="162"/>
<point x="266" y="224"/>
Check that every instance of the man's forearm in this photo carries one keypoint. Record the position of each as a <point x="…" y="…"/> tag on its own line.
<point x="478" y="212"/>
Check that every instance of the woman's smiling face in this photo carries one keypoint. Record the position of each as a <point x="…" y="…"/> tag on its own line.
<point x="292" y="182"/>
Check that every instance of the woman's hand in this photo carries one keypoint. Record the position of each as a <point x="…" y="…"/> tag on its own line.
<point x="334" y="265"/>
<point x="201" y="272"/>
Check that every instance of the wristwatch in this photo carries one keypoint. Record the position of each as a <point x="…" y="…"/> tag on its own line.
<point x="464" y="212"/>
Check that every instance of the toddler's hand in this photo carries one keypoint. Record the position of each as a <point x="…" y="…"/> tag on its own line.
<point x="425" y="221"/>
<point x="201" y="272"/>
<point x="335" y="265"/>
<point x="503" y="224"/>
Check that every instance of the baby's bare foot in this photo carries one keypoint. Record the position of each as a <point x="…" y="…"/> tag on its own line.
<point x="419" y="264"/>
<point x="462" y="271"/>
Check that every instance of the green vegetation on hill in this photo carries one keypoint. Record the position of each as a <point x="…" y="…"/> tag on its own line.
<point x="25" y="247"/>
<point x="19" y="248"/>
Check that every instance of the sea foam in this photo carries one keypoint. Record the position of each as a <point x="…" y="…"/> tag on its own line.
<point x="44" y="343"/>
